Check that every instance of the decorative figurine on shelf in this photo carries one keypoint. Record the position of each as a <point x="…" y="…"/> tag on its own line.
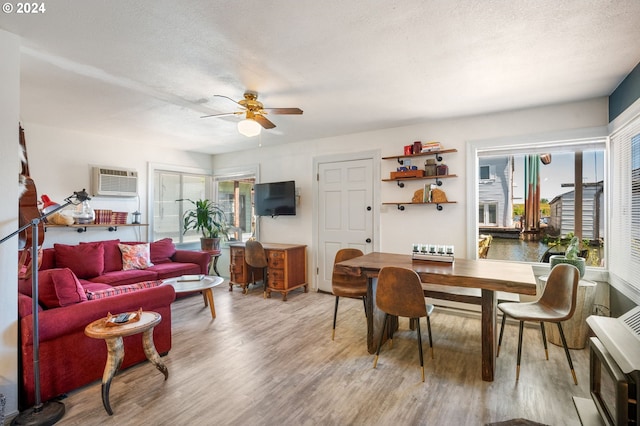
<point x="136" y="217"/>
<point x="430" y="167"/>
<point x="59" y="218"/>
<point x="418" y="196"/>
<point x="438" y="196"/>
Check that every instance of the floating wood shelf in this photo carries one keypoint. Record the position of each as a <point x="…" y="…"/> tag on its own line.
<point x="111" y="227"/>
<point x="402" y="204"/>
<point x="436" y="177"/>
<point x="423" y="154"/>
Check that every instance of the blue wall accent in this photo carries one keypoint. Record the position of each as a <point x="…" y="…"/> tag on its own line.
<point x="625" y="94"/>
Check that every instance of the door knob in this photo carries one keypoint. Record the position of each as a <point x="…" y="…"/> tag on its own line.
<point x="368" y="240"/>
<point x="368" y="208"/>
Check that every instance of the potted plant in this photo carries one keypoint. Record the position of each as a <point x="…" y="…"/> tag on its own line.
<point x="570" y="256"/>
<point x="207" y="218"/>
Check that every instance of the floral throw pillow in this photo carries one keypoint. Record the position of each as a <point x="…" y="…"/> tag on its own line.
<point x="135" y="256"/>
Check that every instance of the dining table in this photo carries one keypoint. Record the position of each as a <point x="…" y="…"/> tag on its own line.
<point x="487" y="275"/>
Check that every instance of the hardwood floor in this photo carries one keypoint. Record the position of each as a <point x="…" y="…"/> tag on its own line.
<point x="268" y="362"/>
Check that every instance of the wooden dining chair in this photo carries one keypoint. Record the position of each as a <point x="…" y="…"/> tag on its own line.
<point x="399" y="293"/>
<point x="343" y="285"/>
<point x="557" y="304"/>
<point x="256" y="258"/>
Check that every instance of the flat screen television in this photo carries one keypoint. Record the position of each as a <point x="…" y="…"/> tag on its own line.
<point x="275" y="198"/>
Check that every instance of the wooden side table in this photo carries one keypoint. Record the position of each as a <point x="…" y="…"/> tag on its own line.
<point x="113" y="335"/>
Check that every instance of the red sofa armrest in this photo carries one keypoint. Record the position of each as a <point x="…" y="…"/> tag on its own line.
<point x="66" y="320"/>
<point x="201" y="258"/>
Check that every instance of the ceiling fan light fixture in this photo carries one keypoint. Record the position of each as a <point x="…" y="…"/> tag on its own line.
<point x="249" y="127"/>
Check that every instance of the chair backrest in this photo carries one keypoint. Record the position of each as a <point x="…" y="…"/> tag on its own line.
<point x="340" y="280"/>
<point x="254" y="254"/>
<point x="561" y="290"/>
<point x="399" y="292"/>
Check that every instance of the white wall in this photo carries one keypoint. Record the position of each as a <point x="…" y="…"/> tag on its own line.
<point x="417" y="223"/>
<point x="9" y="171"/>
<point x="60" y="163"/>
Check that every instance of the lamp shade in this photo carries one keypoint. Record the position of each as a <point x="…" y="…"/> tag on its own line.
<point x="48" y="205"/>
<point x="249" y="127"/>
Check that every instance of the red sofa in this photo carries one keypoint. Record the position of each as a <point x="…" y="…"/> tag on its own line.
<point x="68" y="358"/>
<point x="101" y="262"/>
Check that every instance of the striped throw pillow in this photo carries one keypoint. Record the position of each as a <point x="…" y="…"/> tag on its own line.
<point x="122" y="289"/>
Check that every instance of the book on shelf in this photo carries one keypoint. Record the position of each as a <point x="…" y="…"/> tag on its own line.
<point x="198" y="277"/>
<point x="431" y="146"/>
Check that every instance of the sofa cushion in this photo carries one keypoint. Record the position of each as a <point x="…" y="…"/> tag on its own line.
<point x="175" y="269"/>
<point x="112" y="255"/>
<point x="85" y="260"/>
<point x="91" y="286"/>
<point x="115" y="278"/>
<point x="135" y="256"/>
<point x="48" y="258"/>
<point x="24" y="286"/>
<point x="162" y="250"/>
<point x="130" y="288"/>
<point x="59" y="287"/>
<point x="25" y="306"/>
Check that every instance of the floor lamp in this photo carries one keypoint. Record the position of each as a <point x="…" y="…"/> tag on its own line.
<point x="48" y="413"/>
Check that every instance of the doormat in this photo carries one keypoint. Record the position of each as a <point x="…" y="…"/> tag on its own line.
<point x="516" y="422"/>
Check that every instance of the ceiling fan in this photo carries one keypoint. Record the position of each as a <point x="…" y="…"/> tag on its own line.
<point x="254" y="113"/>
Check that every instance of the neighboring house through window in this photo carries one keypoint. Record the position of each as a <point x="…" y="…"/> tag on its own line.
<point x="556" y="186"/>
<point x="487" y="213"/>
<point x="494" y="191"/>
<point x="487" y="173"/>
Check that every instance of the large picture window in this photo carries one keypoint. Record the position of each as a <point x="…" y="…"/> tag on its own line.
<point x="234" y="189"/>
<point x="168" y="187"/>
<point x="534" y="197"/>
<point x="235" y="196"/>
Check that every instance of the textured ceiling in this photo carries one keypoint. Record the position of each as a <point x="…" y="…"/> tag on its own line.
<point x="147" y="70"/>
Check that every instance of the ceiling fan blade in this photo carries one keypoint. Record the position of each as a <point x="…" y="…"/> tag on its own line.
<point x="223" y="114"/>
<point x="232" y="100"/>
<point x="283" y="110"/>
<point x="264" y="122"/>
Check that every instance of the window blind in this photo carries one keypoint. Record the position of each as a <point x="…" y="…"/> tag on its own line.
<point x="624" y="255"/>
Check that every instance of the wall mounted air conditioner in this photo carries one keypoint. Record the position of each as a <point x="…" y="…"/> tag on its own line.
<point x="110" y="181"/>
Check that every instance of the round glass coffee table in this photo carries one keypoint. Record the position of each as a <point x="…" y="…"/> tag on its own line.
<point x="182" y="285"/>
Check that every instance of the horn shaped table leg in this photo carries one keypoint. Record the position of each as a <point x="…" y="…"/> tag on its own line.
<point x="113" y="337"/>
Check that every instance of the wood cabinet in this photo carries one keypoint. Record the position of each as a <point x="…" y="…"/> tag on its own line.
<point x="286" y="271"/>
<point x="438" y="177"/>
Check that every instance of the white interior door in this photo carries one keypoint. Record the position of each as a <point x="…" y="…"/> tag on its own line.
<point x="345" y="212"/>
